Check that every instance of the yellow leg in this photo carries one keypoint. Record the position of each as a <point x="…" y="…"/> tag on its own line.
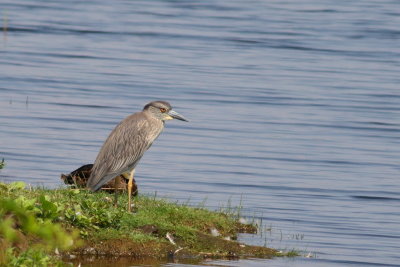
<point x="130" y="189"/>
<point x="116" y="189"/>
<point x="115" y="198"/>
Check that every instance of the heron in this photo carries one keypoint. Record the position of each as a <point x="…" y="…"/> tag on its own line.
<point x="127" y="143"/>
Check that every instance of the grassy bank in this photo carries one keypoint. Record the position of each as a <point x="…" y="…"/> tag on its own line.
<point x="44" y="226"/>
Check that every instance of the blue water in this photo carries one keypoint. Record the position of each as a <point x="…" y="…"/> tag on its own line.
<point x="294" y="110"/>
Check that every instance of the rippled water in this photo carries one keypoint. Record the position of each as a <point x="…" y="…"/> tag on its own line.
<point x="294" y="110"/>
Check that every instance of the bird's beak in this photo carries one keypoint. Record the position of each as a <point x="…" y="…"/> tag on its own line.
<point x="176" y="115"/>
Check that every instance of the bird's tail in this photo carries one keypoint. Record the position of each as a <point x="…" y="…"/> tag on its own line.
<point x="93" y="187"/>
<point x="97" y="180"/>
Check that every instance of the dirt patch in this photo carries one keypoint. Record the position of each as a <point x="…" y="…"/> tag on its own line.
<point x="215" y="247"/>
<point x="123" y="247"/>
<point x="207" y="246"/>
<point x="246" y="228"/>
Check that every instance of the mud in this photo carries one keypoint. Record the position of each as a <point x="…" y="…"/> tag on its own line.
<point x="125" y="252"/>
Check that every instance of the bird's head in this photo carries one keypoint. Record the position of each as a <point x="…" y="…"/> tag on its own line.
<point x="163" y="111"/>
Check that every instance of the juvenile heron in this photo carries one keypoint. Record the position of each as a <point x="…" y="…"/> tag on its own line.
<point x="127" y="143"/>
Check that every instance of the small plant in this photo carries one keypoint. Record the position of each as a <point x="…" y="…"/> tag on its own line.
<point x="31" y="257"/>
<point x="26" y="217"/>
<point x="2" y="164"/>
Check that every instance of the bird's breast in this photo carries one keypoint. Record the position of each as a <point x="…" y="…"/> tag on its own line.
<point x="155" y="130"/>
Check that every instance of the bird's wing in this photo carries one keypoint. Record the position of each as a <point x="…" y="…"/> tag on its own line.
<point x="122" y="150"/>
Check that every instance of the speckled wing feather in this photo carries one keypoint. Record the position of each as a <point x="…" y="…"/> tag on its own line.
<point x="124" y="148"/>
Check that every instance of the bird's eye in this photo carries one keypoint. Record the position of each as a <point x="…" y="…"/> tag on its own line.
<point x="163" y="110"/>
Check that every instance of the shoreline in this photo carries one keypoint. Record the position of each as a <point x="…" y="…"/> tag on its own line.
<point x="88" y="226"/>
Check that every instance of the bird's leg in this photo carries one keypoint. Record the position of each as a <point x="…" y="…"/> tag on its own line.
<point x="130" y="189"/>
<point x="117" y="181"/>
<point x="115" y="198"/>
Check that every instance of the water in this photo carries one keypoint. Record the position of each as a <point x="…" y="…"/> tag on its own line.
<point x="294" y="110"/>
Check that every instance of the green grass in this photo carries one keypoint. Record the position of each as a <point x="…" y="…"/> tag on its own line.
<point x="95" y="215"/>
<point x="36" y="221"/>
<point x="31" y="258"/>
<point x="292" y="253"/>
